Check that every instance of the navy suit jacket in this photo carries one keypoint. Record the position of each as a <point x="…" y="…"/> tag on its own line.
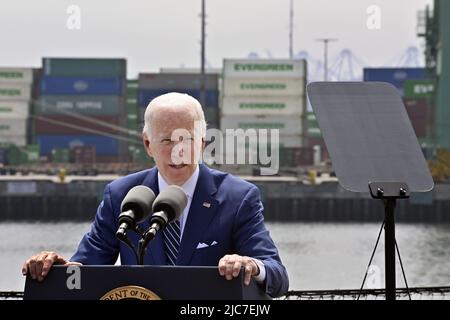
<point x="234" y="220"/>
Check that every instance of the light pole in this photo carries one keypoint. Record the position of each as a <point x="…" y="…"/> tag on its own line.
<point x="291" y="29"/>
<point x="325" y="55"/>
<point x="202" y="59"/>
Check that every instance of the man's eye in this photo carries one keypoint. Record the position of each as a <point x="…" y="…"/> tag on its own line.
<point x="166" y="141"/>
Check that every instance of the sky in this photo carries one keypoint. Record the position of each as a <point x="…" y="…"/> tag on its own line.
<point x="166" y="33"/>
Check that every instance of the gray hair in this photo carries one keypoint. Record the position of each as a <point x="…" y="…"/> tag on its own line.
<point x="173" y="99"/>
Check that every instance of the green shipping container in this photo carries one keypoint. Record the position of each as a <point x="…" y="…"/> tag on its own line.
<point x="132" y="117"/>
<point x="32" y="151"/>
<point x="132" y="109"/>
<point x="60" y="155"/>
<point x="138" y="155"/>
<point x="17" y="156"/>
<point x="84" y="67"/>
<point x="416" y="89"/>
<point x="313" y="129"/>
<point x="132" y="88"/>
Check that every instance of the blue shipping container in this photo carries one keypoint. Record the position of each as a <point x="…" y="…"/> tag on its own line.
<point x="212" y="95"/>
<point x="82" y="85"/>
<point x="395" y="76"/>
<point x="103" y="145"/>
<point x="3" y="156"/>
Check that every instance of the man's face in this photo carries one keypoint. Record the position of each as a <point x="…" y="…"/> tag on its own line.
<point x="174" y="145"/>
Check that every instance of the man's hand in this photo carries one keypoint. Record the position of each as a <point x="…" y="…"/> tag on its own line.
<point x="230" y="266"/>
<point x="39" y="265"/>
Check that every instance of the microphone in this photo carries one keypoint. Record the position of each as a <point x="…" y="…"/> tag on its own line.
<point x="135" y="207"/>
<point x="168" y="206"/>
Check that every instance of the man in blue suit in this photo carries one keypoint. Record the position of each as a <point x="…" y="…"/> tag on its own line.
<point x="221" y="225"/>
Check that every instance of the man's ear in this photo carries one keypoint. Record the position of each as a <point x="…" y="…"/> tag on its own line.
<point x="147" y="144"/>
<point x="203" y="144"/>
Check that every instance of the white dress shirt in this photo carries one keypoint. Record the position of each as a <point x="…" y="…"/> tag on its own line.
<point x="189" y="188"/>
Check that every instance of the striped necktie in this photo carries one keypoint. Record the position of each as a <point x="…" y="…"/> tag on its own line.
<point x="172" y="236"/>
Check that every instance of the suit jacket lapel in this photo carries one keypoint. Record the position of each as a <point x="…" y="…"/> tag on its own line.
<point x="201" y="212"/>
<point x="155" y="250"/>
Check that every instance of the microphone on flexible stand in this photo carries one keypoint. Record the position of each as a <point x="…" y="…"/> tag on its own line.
<point x="135" y="208"/>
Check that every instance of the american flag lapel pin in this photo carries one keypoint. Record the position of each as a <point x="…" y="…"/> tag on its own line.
<point x="206" y="204"/>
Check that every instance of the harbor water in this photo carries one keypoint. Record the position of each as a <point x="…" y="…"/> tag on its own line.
<point x="317" y="255"/>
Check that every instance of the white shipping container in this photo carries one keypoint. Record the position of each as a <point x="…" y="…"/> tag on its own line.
<point x="286" y="141"/>
<point x="265" y="106"/>
<point x="283" y="141"/>
<point x="244" y="149"/>
<point x="16" y="75"/>
<point x="263" y="87"/>
<point x="287" y="125"/>
<point x="264" y="68"/>
<point x="14" y="109"/>
<point x="13" y="127"/>
<point x="20" y="141"/>
<point x="15" y="91"/>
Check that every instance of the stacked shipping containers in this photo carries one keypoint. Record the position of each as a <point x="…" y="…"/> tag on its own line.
<point x="418" y="96"/>
<point x="82" y="104"/>
<point x="266" y="94"/>
<point x="136" y="149"/>
<point x="417" y="91"/>
<point x="16" y="87"/>
<point x="315" y="140"/>
<point x="16" y="95"/>
<point x="152" y="85"/>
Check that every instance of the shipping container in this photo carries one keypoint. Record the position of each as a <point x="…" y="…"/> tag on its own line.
<point x="313" y="129"/>
<point x="417" y="108"/>
<point x="83" y="154"/>
<point x="264" y="68"/>
<point x="16" y="75"/>
<point x="180" y="81"/>
<point x="132" y="117"/>
<point x="263" y="105"/>
<point x="14" y="109"/>
<point x="132" y="123"/>
<point x="15" y="91"/>
<point x="17" y="155"/>
<point x="395" y="76"/>
<point x="141" y="115"/>
<point x="132" y="91"/>
<point x="52" y="85"/>
<point x="3" y="156"/>
<point x="263" y="87"/>
<point x="285" y="157"/>
<point x="212" y="116"/>
<point x="139" y="155"/>
<point x="10" y="127"/>
<point x="89" y="105"/>
<point x="20" y="141"/>
<point x="303" y="156"/>
<point x="79" y="125"/>
<point x="60" y="155"/>
<point x="32" y="151"/>
<point x="419" y="114"/>
<point x="212" y="95"/>
<point x="287" y="125"/>
<point x="132" y="102"/>
<point x="103" y="145"/>
<point x="419" y="89"/>
<point x="284" y="141"/>
<point x="84" y="67"/>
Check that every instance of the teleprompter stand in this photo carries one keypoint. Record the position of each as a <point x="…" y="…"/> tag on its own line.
<point x="373" y="148"/>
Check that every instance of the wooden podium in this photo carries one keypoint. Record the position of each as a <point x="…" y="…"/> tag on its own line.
<point x="140" y="282"/>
